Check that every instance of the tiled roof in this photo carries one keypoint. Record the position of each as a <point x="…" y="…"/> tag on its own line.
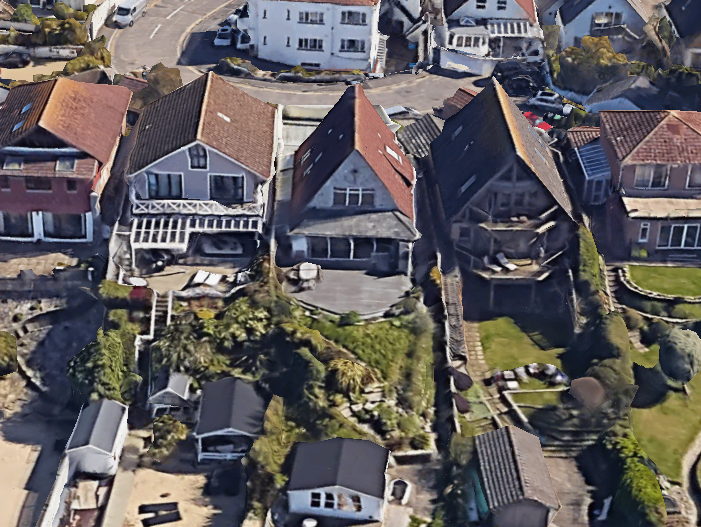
<point x="664" y="137"/>
<point x="336" y="2"/>
<point x="210" y="110"/>
<point x="572" y="9"/>
<point x="466" y="158"/>
<point x="528" y="6"/>
<point x="686" y="16"/>
<point x="352" y="124"/>
<point x="133" y="83"/>
<point x="85" y="167"/>
<point x="513" y="468"/>
<point x="416" y="138"/>
<point x="86" y="116"/>
<point x="457" y="102"/>
<point x="582" y="135"/>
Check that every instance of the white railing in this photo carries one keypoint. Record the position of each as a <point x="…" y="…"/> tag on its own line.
<point x="140" y="339"/>
<point x="174" y="206"/>
<point x="170" y="307"/>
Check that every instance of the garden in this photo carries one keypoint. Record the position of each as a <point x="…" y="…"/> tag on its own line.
<point x="675" y="281"/>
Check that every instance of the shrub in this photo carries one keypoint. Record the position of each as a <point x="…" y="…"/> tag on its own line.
<point x="633" y="319"/>
<point x="98" y="370"/>
<point x="680" y="355"/>
<point x="167" y="432"/>
<point x="349" y="319"/>
<point x="23" y="14"/>
<point x="420" y="324"/>
<point x="109" y="289"/>
<point x="612" y="340"/>
<point x="8" y="353"/>
<point x="387" y="419"/>
<point x="686" y="311"/>
<point x="420" y="441"/>
<point x="205" y="314"/>
<point x="589" y="271"/>
<point x="654" y="332"/>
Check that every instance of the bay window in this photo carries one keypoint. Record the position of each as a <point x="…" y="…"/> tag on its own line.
<point x="651" y="176"/>
<point x="678" y="237"/>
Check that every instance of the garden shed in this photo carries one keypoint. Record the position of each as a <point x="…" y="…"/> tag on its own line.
<point x="170" y="394"/>
<point x="96" y="443"/>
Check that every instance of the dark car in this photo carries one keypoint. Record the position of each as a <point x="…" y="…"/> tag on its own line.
<point x="518" y="79"/>
<point x="15" y="60"/>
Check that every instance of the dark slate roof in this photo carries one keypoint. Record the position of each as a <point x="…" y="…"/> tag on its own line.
<point x="512" y="468"/>
<point x="573" y="8"/>
<point x="416" y="138"/>
<point x="231" y="403"/>
<point x="354" y="464"/>
<point x="686" y="16"/>
<point x="390" y="224"/>
<point x="98" y="425"/>
<point x="176" y="382"/>
<point x="637" y="89"/>
<point x="490" y="133"/>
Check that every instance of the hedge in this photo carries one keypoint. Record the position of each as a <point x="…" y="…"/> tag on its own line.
<point x="589" y="280"/>
<point x="612" y="339"/>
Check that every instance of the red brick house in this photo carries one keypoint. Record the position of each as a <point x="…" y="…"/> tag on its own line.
<point x="655" y="156"/>
<point x="58" y="139"/>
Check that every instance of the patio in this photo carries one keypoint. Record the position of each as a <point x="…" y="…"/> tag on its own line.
<point x="344" y="291"/>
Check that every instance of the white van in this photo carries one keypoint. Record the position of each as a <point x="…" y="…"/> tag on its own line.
<point x="128" y="11"/>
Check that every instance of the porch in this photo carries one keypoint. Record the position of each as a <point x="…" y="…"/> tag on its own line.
<point x="223" y="446"/>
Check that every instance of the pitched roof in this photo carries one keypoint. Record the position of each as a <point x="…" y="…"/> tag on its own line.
<point x="631" y="88"/>
<point x="686" y="16"/>
<point x="582" y="135"/>
<point x="177" y="382"/>
<point x="573" y="8"/>
<point x="134" y="84"/>
<point x="649" y="137"/>
<point x="457" y="102"/>
<point x="231" y="403"/>
<point x="513" y="468"/>
<point x="352" y="124"/>
<point x="86" y="116"/>
<point x="98" y="425"/>
<point x="528" y="6"/>
<point x="212" y="111"/>
<point x="334" y="223"/>
<point x="366" y="3"/>
<point x="416" y="138"/>
<point x="354" y="464"/>
<point x="466" y="158"/>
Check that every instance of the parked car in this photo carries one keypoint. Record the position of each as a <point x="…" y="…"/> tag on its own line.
<point x="128" y="11"/>
<point x="403" y="111"/>
<point x="15" y="60"/>
<point x="224" y="36"/>
<point x="518" y="79"/>
<point x="233" y="17"/>
<point x="550" y="102"/>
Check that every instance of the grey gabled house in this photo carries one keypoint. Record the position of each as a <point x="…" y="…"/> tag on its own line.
<point x="230" y="418"/>
<point x="96" y="443"/>
<point x="170" y="394"/>
<point x="199" y="164"/>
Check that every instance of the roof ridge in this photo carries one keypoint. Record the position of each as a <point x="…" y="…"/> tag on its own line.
<point x="203" y="106"/>
<point x="636" y="147"/>
<point x="340" y="459"/>
<point x="511" y="125"/>
<point x="356" y="117"/>
<point x="48" y="100"/>
<point x="678" y="115"/>
<point x="511" y="433"/>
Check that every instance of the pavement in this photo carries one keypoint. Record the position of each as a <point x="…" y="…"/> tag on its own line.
<point x="123" y="482"/>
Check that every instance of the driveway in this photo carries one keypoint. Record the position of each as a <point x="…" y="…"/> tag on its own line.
<point x="572" y="491"/>
<point x="344" y="291"/>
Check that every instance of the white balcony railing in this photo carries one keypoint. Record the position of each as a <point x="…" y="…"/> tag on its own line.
<point x="196" y="207"/>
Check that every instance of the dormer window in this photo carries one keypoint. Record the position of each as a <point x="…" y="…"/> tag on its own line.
<point x="27" y="107"/>
<point x="65" y="164"/>
<point x="198" y="157"/>
<point x="12" y="163"/>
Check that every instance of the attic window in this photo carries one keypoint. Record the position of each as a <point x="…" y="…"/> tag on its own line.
<point x="17" y="126"/>
<point x="27" y="107"/>
<point x="227" y="119"/>
<point x="306" y="155"/>
<point x="467" y="184"/>
<point x="456" y="132"/>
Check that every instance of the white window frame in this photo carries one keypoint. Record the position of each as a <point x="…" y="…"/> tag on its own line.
<point x="650" y="176"/>
<point x="347" y="18"/>
<point x="345" y="45"/>
<point x="596" y="25"/>
<point x="355" y="191"/>
<point x="243" y="185"/>
<point x="501" y="5"/>
<point x="683" y="226"/>
<point x="206" y="156"/>
<point x="329" y="497"/>
<point x="311" y="17"/>
<point x="60" y="159"/>
<point x="688" y="176"/>
<point x="481" y="4"/>
<point x="49" y="216"/>
<point x="312" y="499"/>
<point x="305" y="44"/>
<point x="156" y="174"/>
<point x="30" y="224"/>
<point x="644" y="228"/>
<point x="9" y="159"/>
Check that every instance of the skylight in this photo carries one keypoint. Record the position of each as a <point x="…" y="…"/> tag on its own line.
<point x="392" y="153"/>
<point x="26" y="108"/>
<point x="18" y="126"/>
<point x="467" y="184"/>
<point x="456" y="132"/>
<point x="227" y="119"/>
<point x="318" y="157"/>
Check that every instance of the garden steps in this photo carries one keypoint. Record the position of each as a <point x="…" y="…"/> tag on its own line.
<point x="613" y="283"/>
<point x="161" y="316"/>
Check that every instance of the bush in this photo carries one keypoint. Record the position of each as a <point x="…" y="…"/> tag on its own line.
<point x="387" y="419"/>
<point x="23" y="14"/>
<point x="612" y="340"/>
<point x="680" y="355"/>
<point x="420" y="441"/>
<point x="686" y="311"/>
<point x="8" y="353"/>
<point x="589" y="279"/>
<point x="633" y="319"/>
<point x="420" y="324"/>
<point x="349" y="319"/>
<point x="167" y="433"/>
<point x="654" y="332"/>
<point x="109" y="289"/>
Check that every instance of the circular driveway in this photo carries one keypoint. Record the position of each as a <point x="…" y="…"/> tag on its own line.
<point x="188" y="26"/>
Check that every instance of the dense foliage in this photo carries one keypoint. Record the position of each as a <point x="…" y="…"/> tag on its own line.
<point x="167" y="433"/>
<point x="680" y="355"/>
<point x="8" y="353"/>
<point x="589" y="275"/>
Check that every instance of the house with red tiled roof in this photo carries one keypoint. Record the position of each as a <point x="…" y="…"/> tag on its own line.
<point x="491" y="29"/>
<point x="316" y="34"/>
<point x="655" y="158"/>
<point x="198" y="166"/>
<point x="454" y="104"/>
<point x="58" y="141"/>
<point x="352" y="197"/>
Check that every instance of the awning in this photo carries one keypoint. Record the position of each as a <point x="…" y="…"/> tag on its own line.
<point x="661" y="208"/>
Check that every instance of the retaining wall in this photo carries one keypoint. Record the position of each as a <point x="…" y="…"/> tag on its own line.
<point x="44" y="52"/>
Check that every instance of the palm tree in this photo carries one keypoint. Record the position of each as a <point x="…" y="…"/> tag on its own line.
<point x="350" y="376"/>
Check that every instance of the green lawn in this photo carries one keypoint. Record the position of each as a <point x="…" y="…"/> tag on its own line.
<point x="666" y="431"/>
<point x="506" y="346"/>
<point x="678" y="281"/>
<point x="649" y="359"/>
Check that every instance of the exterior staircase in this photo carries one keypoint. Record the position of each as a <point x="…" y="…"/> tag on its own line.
<point x="161" y="316"/>
<point x="381" y="54"/>
<point x="613" y="284"/>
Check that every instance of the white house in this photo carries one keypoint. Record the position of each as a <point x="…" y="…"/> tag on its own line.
<point x="492" y="28"/>
<point x="339" y="478"/>
<point x="230" y="419"/>
<point x="170" y="395"/>
<point x="685" y="19"/>
<point x="330" y="35"/>
<point x="96" y="443"/>
<point x="598" y="18"/>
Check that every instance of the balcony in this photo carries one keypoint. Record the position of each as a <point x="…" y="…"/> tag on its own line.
<point x="196" y="207"/>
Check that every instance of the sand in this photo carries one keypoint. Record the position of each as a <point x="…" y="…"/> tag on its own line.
<point x="38" y="68"/>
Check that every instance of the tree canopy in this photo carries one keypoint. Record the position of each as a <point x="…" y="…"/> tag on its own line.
<point x="680" y="355"/>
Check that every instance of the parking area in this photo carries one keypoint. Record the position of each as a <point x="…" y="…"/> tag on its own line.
<point x="344" y="291"/>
